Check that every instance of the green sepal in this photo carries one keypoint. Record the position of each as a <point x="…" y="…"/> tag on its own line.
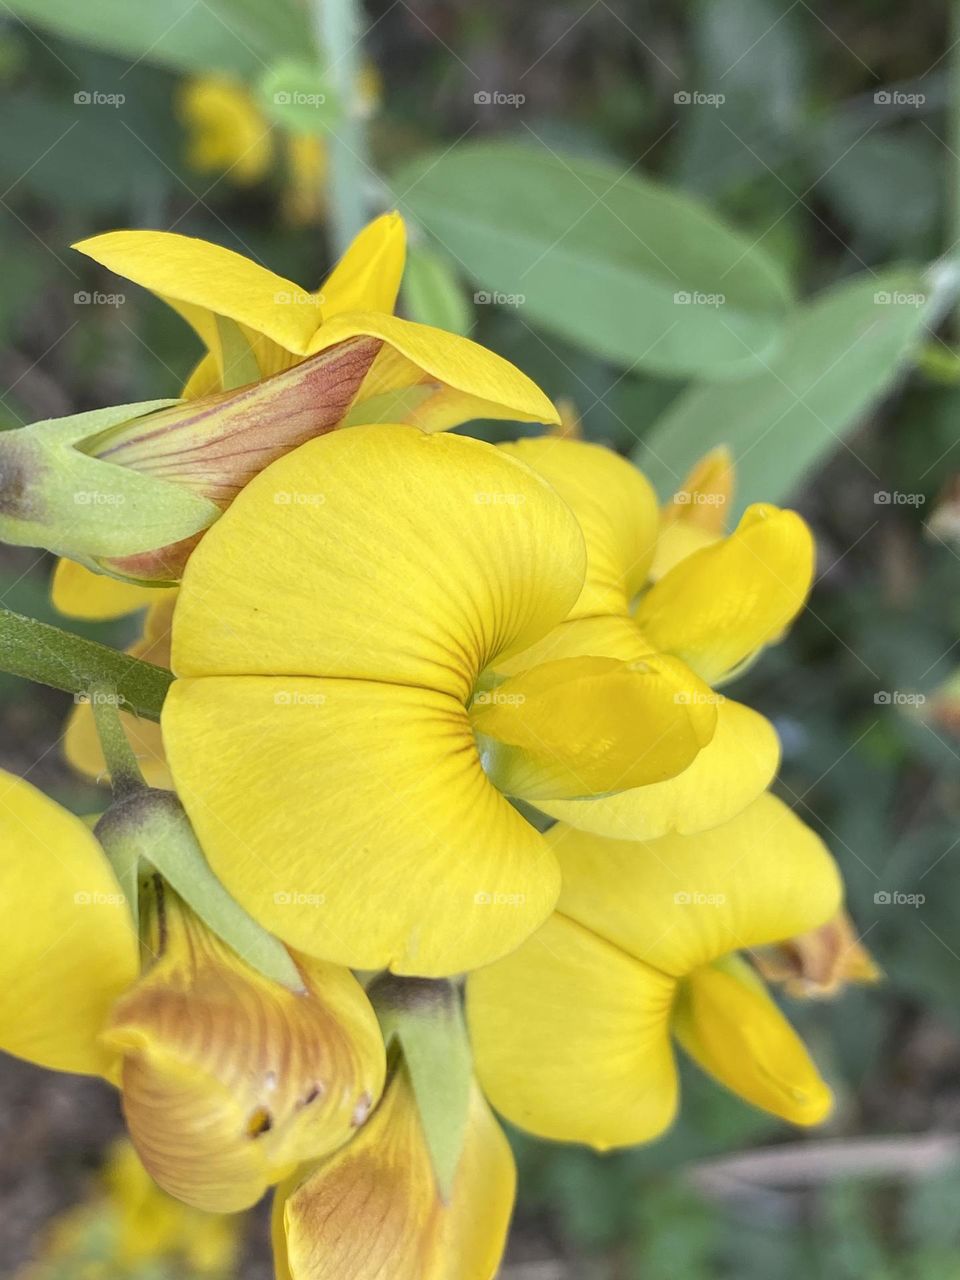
<point x="55" y="495"/>
<point x="424" y="1017"/>
<point x="151" y="827"/>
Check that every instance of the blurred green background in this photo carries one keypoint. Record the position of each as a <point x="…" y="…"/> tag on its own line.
<point x="732" y="220"/>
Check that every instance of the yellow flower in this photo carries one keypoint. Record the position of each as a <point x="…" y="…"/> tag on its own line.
<point x="283" y="366"/>
<point x="373" y="1208"/>
<point x="131" y="1228"/>
<point x="572" y="1032"/>
<point x="672" y="589"/>
<point x="228" y="1080"/>
<point x="228" y="133"/>
<point x="330" y="655"/>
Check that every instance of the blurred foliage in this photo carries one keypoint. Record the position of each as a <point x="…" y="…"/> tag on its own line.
<point x="828" y="166"/>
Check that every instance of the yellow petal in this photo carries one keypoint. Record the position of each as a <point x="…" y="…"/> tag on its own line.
<point x="354" y="820"/>
<point x="203" y="280"/>
<point x="81" y="741"/>
<point x="718" y="606"/>
<point x="612" y="636"/>
<point x="730" y="772"/>
<point x="80" y="593"/>
<point x="675" y="542"/>
<point x="229" y="1080"/>
<point x="431" y="378"/>
<point x="373" y="1209"/>
<point x="585" y="726"/>
<point x="571" y="1039"/>
<point x="703" y="499"/>
<point x="69" y="947"/>
<point x="380" y="553"/>
<point x="727" y="1022"/>
<point x="683" y="901"/>
<point x="205" y="379"/>
<point x="367" y="277"/>
<point x="616" y="508"/>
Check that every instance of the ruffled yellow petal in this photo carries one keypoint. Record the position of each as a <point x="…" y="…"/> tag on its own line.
<point x="683" y="901"/>
<point x="703" y="499"/>
<point x="571" y="1039"/>
<point x="725" y="1019"/>
<point x="380" y="553"/>
<point x="731" y="771"/>
<point x="203" y="280"/>
<point x="81" y="742"/>
<point x="355" y="821"/>
<point x="585" y="726"/>
<point x="230" y="1080"/>
<point x="433" y="379"/>
<point x="373" y="1209"/>
<point x="617" y="510"/>
<point x="718" y="606"/>
<point x="69" y="946"/>
<point x="80" y="593"/>
<point x="367" y="277"/>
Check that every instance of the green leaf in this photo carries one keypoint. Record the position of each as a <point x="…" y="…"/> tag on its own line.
<point x="299" y="96"/>
<point x="612" y="261"/>
<point x="216" y="35"/>
<point x="424" y="1017"/>
<point x="432" y="293"/>
<point x="842" y="352"/>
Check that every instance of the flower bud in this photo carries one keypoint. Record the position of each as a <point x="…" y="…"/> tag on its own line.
<point x="230" y="1080"/>
<point x="131" y="489"/>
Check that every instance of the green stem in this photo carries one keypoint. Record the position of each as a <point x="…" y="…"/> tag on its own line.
<point x="953" y="145"/>
<point x="47" y="655"/>
<point x="339" y="49"/>
<point x="125" y="775"/>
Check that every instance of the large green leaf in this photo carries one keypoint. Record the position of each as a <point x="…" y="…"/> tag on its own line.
<point x="608" y="259"/>
<point x="841" y="353"/>
<point x="214" y="35"/>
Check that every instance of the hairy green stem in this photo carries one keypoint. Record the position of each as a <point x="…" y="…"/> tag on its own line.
<point x="47" y="655"/>
<point x="125" y="775"/>
<point x="339" y="46"/>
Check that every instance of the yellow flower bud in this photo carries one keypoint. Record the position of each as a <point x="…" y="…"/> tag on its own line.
<point x="230" y="1080"/>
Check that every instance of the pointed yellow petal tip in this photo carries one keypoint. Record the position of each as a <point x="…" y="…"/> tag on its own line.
<point x="704" y="497"/>
<point x="373" y="1208"/>
<point x="228" y="1079"/>
<point x="725" y="1019"/>
<point x="821" y="963"/>
<point x="569" y="426"/>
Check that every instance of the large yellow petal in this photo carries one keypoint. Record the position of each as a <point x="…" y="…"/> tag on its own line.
<point x="431" y="378"/>
<point x="69" y="947"/>
<point x="585" y="726"/>
<point x="367" y="277"/>
<point x="726" y="1020"/>
<point x="81" y="742"/>
<point x="682" y="901"/>
<point x="373" y="1209"/>
<point x="718" y="606"/>
<point x="354" y="820"/>
<point x="571" y="1039"/>
<point x="617" y="510"/>
<point x="730" y="772"/>
<point x="380" y="553"/>
<point x="80" y="593"/>
<point x="203" y="280"/>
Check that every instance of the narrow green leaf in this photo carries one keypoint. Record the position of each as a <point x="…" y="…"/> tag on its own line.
<point x="842" y="352"/>
<point x="217" y="35"/>
<point x="432" y="294"/>
<point x="608" y="259"/>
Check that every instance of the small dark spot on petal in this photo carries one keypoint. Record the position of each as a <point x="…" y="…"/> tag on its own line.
<point x="260" y="1121"/>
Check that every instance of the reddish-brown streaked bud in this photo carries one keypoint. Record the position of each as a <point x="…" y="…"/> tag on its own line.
<point x="229" y="1080"/>
<point x="821" y="963"/>
<point x="132" y="489"/>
